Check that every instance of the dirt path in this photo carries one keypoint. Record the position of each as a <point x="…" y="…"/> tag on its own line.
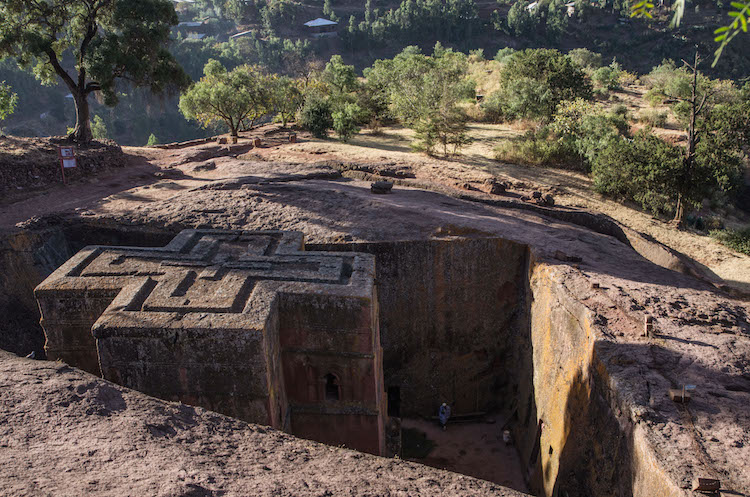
<point x="473" y="449"/>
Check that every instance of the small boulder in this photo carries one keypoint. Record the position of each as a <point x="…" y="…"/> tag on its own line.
<point x="381" y="187"/>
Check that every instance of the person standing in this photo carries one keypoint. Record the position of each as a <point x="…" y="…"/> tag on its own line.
<point x="444" y="414"/>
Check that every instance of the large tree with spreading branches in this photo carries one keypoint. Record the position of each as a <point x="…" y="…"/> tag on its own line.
<point x="91" y="45"/>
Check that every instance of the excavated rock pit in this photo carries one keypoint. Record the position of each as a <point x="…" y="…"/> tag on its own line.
<point x="495" y="310"/>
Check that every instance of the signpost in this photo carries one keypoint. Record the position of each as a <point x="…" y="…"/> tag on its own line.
<point x="67" y="160"/>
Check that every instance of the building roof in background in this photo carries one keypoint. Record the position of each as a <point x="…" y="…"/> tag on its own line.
<point x="243" y="33"/>
<point x="316" y="23"/>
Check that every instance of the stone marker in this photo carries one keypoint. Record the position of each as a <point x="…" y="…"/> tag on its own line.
<point x="706" y="485"/>
<point x="679" y="395"/>
<point x="381" y="187"/>
<point x="244" y="323"/>
<point x="648" y="328"/>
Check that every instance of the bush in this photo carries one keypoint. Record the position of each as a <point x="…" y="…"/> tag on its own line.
<point x="587" y="129"/>
<point x="476" y="55"/>
<point x="622" y="111"/>
<point x="585" y="58"/>
<point x="537" y="149"/>
<point x="643" y="170"/>
<point x="492" y="105"/>
<point x="503" y="54"/>
<point x="98" y="128"/>
<point x="608" y="77"/>
<point x="345" y="121"/>
<point x="316" y="116"/>
<point x="152" y="140"/>
<point x="654" y="97"/>
<point x="653" y="118"/>
<point x="738" y="240"/>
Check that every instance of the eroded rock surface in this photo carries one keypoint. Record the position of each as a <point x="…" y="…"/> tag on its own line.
<point x="65" y="432"/>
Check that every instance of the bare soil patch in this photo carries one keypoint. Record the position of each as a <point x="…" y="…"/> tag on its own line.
<point x="475" y="449"/>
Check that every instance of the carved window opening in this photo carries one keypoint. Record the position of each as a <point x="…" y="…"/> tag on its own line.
<point x="333" y="389"/>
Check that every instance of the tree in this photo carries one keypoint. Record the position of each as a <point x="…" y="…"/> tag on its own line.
<point x="152" y="140"/>
<point x="328" y="11"/>
<point x="236" y="98"/>
<point x="340" y="77"/>
<point x="534" y="81"/>
<point x="286" y="97"/>
<point x="521" y="21"/>
<point x="424" y="92"/>
<point x="108" y="40"/>
<point x="8" y="101"/>
<point x="703" y="166"/>
<point x="345" y="121"/>
<point x="316" y="115"/>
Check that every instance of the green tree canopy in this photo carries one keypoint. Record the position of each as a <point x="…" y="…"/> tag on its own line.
<point x="534" y="81"/>
<point x="236" y="98"/>
<point x="423" y="92"/>
<point x="287" y="97"/>
<point x="108" y="39"/>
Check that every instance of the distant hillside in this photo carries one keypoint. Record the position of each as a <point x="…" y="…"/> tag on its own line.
<point x="277" y="39"/>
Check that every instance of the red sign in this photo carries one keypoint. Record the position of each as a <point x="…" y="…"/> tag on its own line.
<point x="67" y="159"/>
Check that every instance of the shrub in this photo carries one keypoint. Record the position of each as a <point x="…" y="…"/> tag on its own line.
<point x="587" y="129"/>
<point x="476" y="55"/>
<point x="492" y="105"/>
<point x="622" y="111"/>
<point x="653" y="118"/>
<point x="654" y="97"/>
<point x="345" y="121"/>
<point x="738" y="240"/>
<point x="608" y="77"/>
<point x="585" y="58"/>
<point x="152" y="140"/>
<point x="8" y="101"/>
<point x="98" y="128"/>
<point x="316" y="116"/>
<point x="503" y="54"/>
<point x="627" y="79"/>
<point x="643" y="170"/>
<point x="537" y="149"/>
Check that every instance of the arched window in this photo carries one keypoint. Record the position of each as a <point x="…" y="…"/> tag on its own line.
<point x="333" y="389"/>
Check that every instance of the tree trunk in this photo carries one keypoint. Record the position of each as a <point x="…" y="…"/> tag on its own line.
<point x="679" y="213"/>
<point x="82" y="131"/>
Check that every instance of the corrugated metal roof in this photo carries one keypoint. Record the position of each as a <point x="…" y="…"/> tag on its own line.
<point x="315" y="23"/>
<point x="244" y="33"/>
